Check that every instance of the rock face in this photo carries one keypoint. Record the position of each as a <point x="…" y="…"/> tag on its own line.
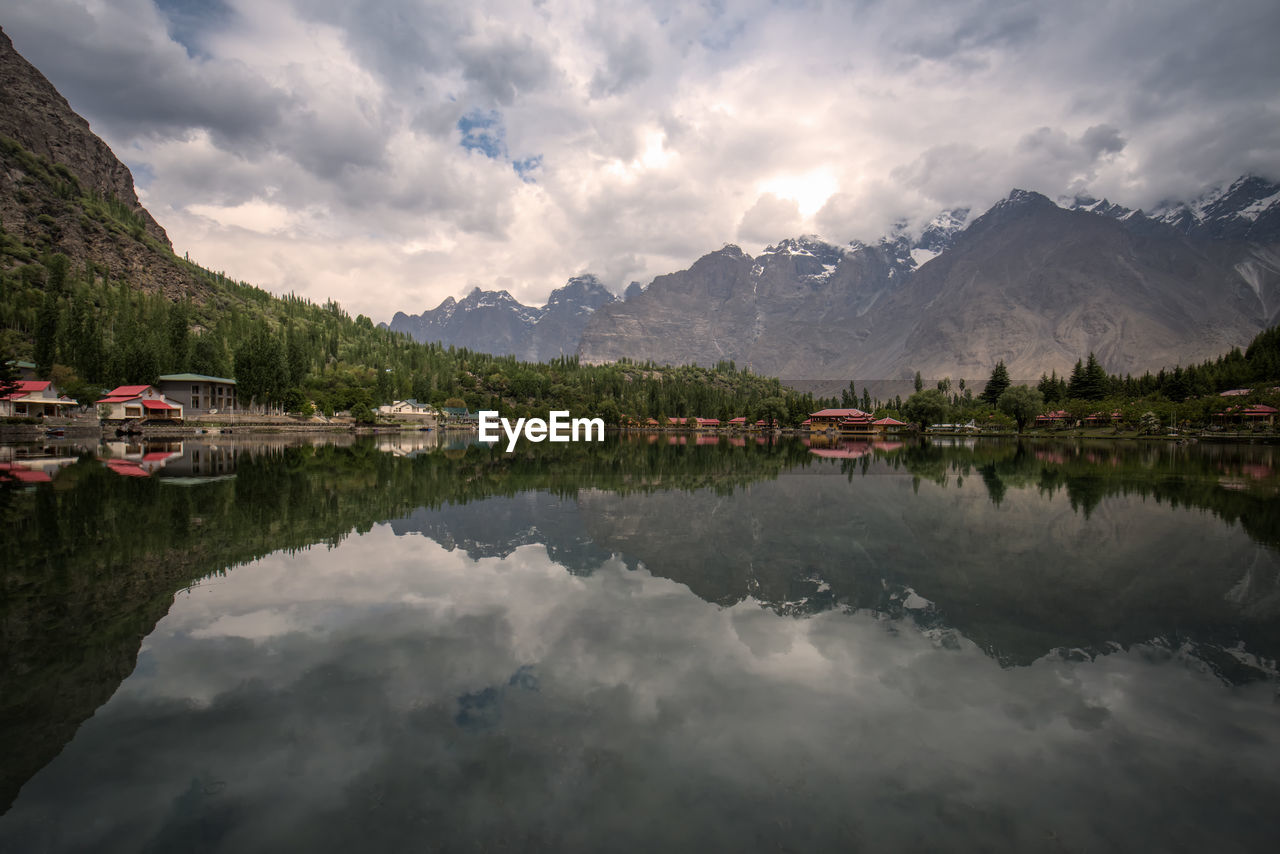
<point x="1031" y="282"/>
<point x="62" y="190"/>
<point x="495" y="322"/>
<point x="38" y="118"/>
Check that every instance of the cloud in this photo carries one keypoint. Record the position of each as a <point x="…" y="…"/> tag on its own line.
<point x="537" y="141"/>
<point x="768" y="218"/>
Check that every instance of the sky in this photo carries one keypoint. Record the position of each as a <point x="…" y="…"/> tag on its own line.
<point x="391" y="153"/>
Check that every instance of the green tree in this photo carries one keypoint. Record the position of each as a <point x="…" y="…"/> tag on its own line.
<point x="1021" y="403"/>
<point x="773" y="410"/>
<point x="997" y="384"/>
<point x="260" y="369"/>
<point x="919" y="382"/>
<point x="209" y="356"/>
<point x="179" y="336"/>
<point x="8" y="373"/>
<point x="926" y="408"/>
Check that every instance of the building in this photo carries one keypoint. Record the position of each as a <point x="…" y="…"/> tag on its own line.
<point x="890" y="425"/>
<point x="25" y="370"/>
<point x="858" y="423"/>
<point x="34" y="399"/>
<point x="830" y="419"/>
<point x="138" y="401"/>
<point x="198" y="394"/>
<point x="408" y="408"/>
<point x="459" y="415"/>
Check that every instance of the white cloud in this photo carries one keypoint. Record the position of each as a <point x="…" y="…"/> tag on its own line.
<point x="314" y="146"/>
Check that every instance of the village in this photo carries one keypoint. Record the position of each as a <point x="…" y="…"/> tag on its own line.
<point x="189" y="403"/>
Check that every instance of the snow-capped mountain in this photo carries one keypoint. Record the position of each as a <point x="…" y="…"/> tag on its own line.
<point x="1036" y="283"/>
<point x="496" y="322"/>
<point x="1247" y="209"/>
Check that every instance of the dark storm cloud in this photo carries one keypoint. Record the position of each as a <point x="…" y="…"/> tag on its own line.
<point x="133" y="86"/>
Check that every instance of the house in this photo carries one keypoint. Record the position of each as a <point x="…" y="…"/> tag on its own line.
<point x="25" y="370"/>
<point x="1057" y="418"/>
<point x="458" y="415"/>
<point x="1098" y="419"/>
<point x="139" y="401"/>
<point x="1258" y="413"/>
<point x="739" y="423"/>
<point x="705" y="423"/>
<point x="858" y="423"/>
<point x="889" y="425"/>
<point x="198" y="394"/>
<point x="829" y="419"/>
<point x="410" y="409"/>
<point x="34" y="399"/>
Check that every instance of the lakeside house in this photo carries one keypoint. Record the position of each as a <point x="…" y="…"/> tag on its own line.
<point x="859" y="423"/>
<point x="198" y="394"/>
<point x="1056" y="418"/>
<point x="34" y="399"/>
<point x="1258" y="413"/>
<point x="458" y="416"/>
<point x="138" y="401"/>
<point x="830" y="419"/>
<point x="410" y="407"/>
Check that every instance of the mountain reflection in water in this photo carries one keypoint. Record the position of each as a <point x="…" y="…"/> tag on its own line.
<point x="953" y="646"/>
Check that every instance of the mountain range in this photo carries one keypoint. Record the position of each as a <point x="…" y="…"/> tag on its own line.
<point x="1033" y="282"/>
<point x="495" y="322"/>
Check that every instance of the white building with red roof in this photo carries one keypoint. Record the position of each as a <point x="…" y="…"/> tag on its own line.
<point x="139" y="401"/>
<point x="34" y="398"/>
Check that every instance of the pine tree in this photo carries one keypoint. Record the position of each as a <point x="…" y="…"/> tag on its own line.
<point x="996" y="385"/>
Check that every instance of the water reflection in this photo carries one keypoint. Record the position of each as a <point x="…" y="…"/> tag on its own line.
<point x="548" y="650"/>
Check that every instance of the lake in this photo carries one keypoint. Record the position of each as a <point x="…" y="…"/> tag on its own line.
<point x="658" y="643"/>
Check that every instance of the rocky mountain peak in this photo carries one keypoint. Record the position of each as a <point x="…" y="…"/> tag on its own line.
<point x="36" y="116"/>
<point x="585" y="291"/>
<point x="1246" y="209"/>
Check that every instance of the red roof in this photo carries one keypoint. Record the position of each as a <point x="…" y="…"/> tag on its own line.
<point x="891" y="422"/>
<point x="156" y="404"/>
<point x="741" y="419"/>
<point x="22" y="474"/>
<point x="836" y="413"/>
<point x="26" y="387"/>
<point x="126" y="468"/>
<point x="1261" y="409"/>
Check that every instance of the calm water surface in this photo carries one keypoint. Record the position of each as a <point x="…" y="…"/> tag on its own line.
<point x="266" y="645"/>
